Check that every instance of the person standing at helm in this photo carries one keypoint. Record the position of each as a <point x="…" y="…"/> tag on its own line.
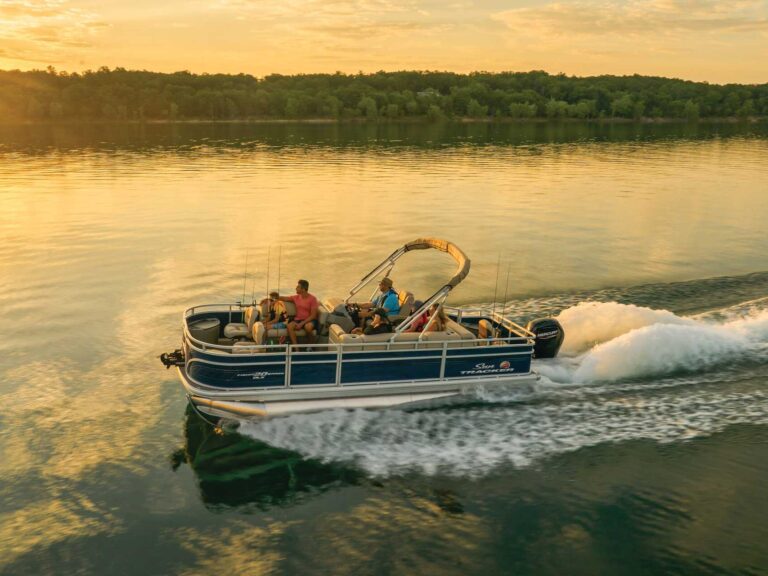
<point x="386" y="299"/>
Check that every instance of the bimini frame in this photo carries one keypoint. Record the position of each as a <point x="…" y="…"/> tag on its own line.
<point x="463" y="264"/>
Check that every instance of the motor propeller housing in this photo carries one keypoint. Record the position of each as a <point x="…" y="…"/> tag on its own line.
<point x="549" y="337"/>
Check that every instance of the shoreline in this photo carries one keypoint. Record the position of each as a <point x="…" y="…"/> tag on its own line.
<point x="420" y="120"/>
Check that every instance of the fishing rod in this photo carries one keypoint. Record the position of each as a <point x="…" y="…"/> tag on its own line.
<point x="253" y="290"/>
<point x="495" y="287"/>
<point x="504" y="306"/>
<point x="279" y="263"/>
<point x="245" y="275"/>
<point x="269" y="254"/>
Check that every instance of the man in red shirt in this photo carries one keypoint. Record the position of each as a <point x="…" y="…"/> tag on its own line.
<point x="306" y="312"/>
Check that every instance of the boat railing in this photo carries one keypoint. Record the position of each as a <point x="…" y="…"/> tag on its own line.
<point x="460" y="313"/>
<point x="523" y="338"/>
<point x="381" y="346"/>
<point x="336" y="353"/>
<point x="498" y="317"/>
<point x="225" y="307"/>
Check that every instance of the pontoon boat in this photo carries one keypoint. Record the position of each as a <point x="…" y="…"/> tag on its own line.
<point x="226" y="372"/>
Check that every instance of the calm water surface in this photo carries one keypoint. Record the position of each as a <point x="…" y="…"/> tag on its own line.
<point x="642" y="450"/>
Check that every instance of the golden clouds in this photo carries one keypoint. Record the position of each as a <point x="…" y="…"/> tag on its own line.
<point x="637" y="18"/>
<point x="696" y="39"/>
<point x="45" y="31"/>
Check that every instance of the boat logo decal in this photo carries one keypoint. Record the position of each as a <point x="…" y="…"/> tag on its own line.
<point x="485" y="368"/>
<point x="260" y="375"/>
<point x="550" y="334"/>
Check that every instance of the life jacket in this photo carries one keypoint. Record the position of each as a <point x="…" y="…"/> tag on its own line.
<point x="383" y="297"/>
<point x="277" y="312"/>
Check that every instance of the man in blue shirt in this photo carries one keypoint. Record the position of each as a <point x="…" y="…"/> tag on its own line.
<point x="386" y="299"/>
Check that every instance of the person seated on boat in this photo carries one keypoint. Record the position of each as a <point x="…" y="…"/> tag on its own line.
<point x="379" y="325"/>
<point x="485" y="330"/>
<point x="276" y="314"/>
<point x="306" y="313"/>
<point x="386" y="299"/>
<point x="421" y="321"/>
<point x="439" y="320"/>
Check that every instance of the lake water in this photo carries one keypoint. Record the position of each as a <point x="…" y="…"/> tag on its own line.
<point x="642" y="450"/>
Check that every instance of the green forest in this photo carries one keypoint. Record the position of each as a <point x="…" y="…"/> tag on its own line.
<point x="119" y="94"/>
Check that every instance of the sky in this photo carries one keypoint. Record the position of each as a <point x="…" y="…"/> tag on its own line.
<point x="704" y="40"/>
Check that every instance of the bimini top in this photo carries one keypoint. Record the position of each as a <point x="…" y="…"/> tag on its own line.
<point x="444" y="246"/>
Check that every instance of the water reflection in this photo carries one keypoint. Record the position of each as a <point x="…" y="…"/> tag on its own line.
<point x="108" y="232"/>
<point x="21" y="138"/>
<point x="236" y="471"/>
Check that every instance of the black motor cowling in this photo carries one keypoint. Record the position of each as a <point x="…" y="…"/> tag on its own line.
<point x="175" y="358"/>
<point x="549" y="337"/>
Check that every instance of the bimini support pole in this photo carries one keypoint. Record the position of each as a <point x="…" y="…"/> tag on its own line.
<point x="387" y="264"/>
<point x="419" y="244"/>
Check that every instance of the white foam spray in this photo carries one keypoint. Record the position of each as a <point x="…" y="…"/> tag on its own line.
<point x="647" y="349"/>
<point x="475" y="441"/>
<point x="590" y="323"/>
<point x="640" y="342"/>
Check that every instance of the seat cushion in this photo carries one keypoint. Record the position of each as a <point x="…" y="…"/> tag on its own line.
<point x="236" y="330"/>
<point x="466" y="335"/>
<point x="242" y="329"/>
<point x="246" y="348"/>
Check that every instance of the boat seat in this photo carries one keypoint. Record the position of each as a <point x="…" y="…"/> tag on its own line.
<point x="246" y="347"/>
<point x="490" y="331"/>
<point x="436" y="339"/>
<point x="405" y="299"/>
<point x="258" y="330"/>
<point x="403" y="341"/>
<point x="467" y="337"/>
<point x="217" y="351"/>
<point x="337" y="335"/>
<point x="242" y="329"/>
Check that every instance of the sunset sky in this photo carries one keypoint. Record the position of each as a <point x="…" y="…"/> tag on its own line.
<point x="716" y="41"/>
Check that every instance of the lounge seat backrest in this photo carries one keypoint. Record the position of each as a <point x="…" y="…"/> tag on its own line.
<point x="406" y="303"/>
<point x="250" y="316"/>
<point x="468" y="338"/>
<point x="336" y="335"/>
<point x="403" y="341"/>
<point x="290" y="308"/>
<point x="436" y="339"/>
<point x="331" y="304"/>
<point x="405" y="300"/>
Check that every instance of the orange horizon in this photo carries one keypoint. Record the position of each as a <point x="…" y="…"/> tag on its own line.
<point x="688" y="39"/>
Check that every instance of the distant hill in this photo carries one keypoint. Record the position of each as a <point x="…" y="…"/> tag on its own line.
<point x="119" y="94"/>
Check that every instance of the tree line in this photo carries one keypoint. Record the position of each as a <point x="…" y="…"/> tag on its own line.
<point x="120" y="94"/>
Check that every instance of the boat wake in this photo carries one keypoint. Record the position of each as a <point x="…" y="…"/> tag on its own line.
<point x="610" y="341"/>
<point x="627" y="373"/>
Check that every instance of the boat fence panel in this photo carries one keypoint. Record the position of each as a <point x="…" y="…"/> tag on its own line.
<point x="491" y="361"/>
<point x="266" y="374"/>
<point x="313" y="368"/>
<point x="391" y="365"/>
<point x="270" y="367"/>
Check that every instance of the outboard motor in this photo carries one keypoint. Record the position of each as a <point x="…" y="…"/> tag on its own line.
<point x="549" y="337"/>
<point x="175" y="358"/>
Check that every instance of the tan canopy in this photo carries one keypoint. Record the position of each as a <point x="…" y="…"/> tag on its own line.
<point x="444" y="246"/>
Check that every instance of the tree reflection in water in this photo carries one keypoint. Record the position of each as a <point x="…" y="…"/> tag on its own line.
<point x="235" y="471"/>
